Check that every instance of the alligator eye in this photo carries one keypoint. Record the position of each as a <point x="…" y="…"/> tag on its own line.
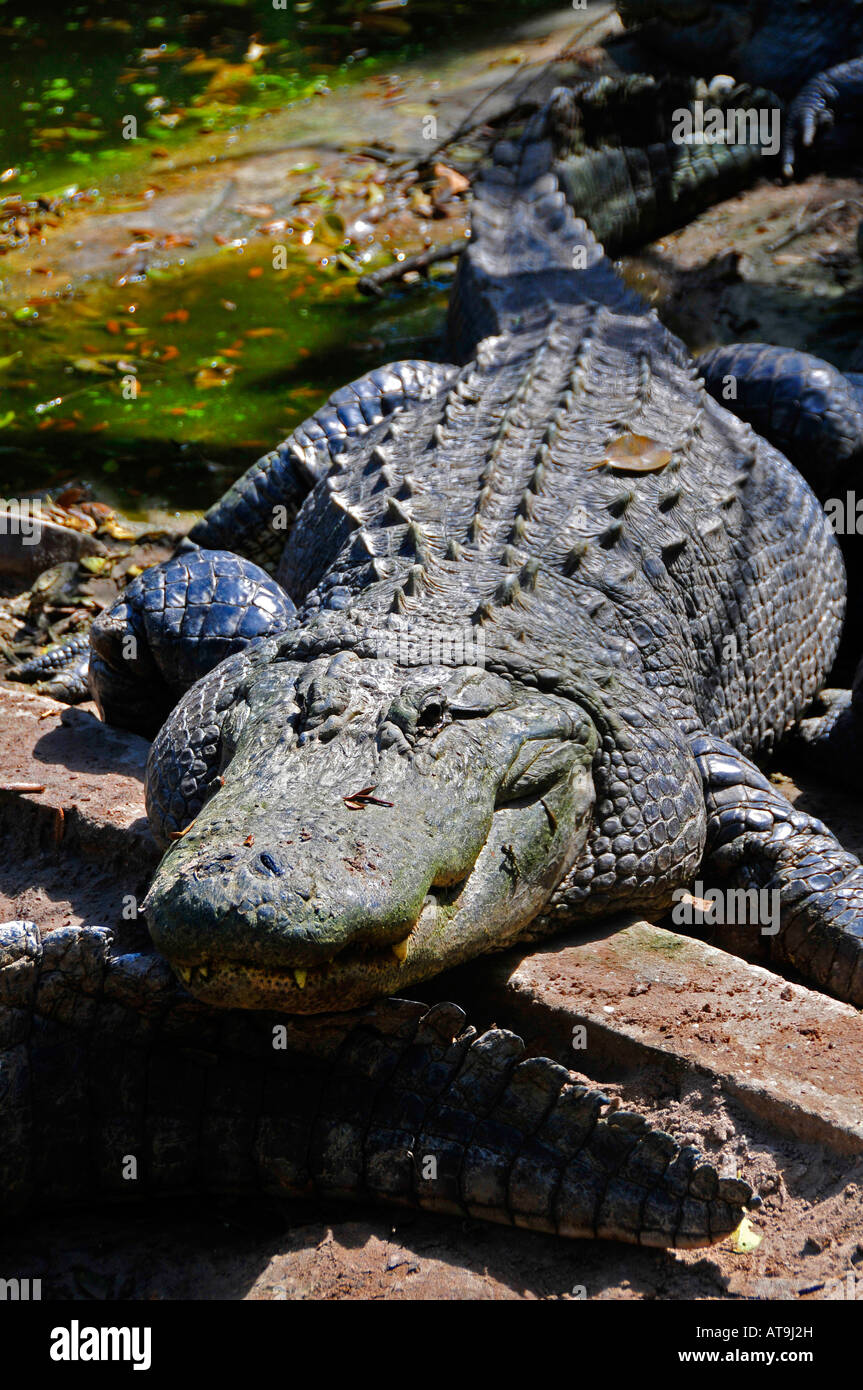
<point x="538" y="766"/>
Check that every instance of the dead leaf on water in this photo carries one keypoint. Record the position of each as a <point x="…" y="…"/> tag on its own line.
<point x="255" y="209"/>
<point x="214" y="374"/>
<point x="91" y="366"/>
<point x="329" y="229"/>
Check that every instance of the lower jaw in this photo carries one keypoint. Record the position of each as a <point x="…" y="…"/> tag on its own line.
<point x="333" y="988"/>
<point x="489" y="911"/>
<point x="350" y="980"/>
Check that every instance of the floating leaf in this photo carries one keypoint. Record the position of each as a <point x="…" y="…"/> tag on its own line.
<point x="215" y="373"/>
<point x="92" y="366"/>
<point x="329" y="229"/>
<point x="6" y="419"/>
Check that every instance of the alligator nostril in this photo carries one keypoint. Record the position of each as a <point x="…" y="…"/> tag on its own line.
<point x="269" y="863"/>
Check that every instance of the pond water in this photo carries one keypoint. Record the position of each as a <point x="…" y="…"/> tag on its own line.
<point x="160" y="390"/>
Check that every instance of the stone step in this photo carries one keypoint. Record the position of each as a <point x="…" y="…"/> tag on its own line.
<point x="644" y="995"/>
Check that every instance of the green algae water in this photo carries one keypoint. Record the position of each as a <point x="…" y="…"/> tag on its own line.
<point x="76" y="76"/>
<point x="161" y="396"/>
<point x="158" y="388"/>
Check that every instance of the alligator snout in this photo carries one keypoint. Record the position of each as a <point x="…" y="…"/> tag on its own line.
<point x="419" y="831"/>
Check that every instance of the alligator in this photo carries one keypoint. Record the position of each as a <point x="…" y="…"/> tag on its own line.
<point x="630" y="180"/>
<point x="810" y="53"/>
<point x="534" y="613"/>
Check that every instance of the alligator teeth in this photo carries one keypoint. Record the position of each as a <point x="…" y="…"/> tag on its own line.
<point x="400" y="950"/>
<point x="300" y="977"/>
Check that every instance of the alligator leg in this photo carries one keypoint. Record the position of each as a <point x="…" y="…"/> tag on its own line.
<point x="801" y="404"/>
<point x="176" y="621"/>
<point x="174" y="624"/>
<point x="830" y="97"/>
<point x="115" y="1084"/>
<point x="60" y="672"/>
<point x="830" y="738"/>
<point x="757" y="840"/>
<point x="814" y="415"/>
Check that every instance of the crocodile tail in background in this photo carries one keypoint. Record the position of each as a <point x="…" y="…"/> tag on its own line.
<point x="528" y="250"/>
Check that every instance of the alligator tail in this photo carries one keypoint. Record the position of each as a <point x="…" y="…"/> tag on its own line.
<point x="529" y="254"/>
<point x="114" y="1084"/>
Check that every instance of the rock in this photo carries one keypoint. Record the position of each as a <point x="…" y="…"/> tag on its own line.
<point x="78" y="850"/>
<point x="789" y="1055"/>
<point x="25" y="553"/>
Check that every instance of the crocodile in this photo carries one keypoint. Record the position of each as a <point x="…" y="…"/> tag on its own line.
<point x="536" y="611"/>
<point x="810" y="54"/>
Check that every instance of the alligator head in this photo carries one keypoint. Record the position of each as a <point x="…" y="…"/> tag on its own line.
<point x="373" y="825"/>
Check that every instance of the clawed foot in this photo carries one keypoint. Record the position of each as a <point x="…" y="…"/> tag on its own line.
<point x="812" y="112"/>
<point x="824" y="101"/>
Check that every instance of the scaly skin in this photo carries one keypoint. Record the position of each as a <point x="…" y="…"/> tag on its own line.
<point x="104" y="1060"/>
<point x="635" y="181"/>
<point x="811" y="52"/>
<point x="353" y="818"/>
<point x="803" y="405"/>
<point x="560" y="782"/>
<point x="814" y="414"/>
<point x="60" y="672"/>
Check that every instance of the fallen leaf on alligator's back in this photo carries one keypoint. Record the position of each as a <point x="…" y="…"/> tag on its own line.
<point x="635" y="453"/>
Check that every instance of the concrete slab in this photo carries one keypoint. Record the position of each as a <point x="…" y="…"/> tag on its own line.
<point x="641" y="995"/>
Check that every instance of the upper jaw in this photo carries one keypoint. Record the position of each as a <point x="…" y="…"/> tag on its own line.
<point x="527" y="851"/>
